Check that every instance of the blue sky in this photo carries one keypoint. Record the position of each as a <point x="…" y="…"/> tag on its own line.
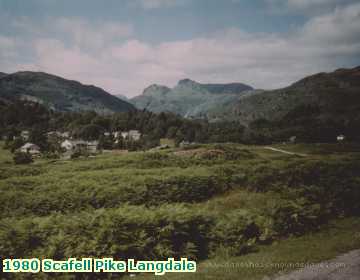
<point x="125" y="45"/>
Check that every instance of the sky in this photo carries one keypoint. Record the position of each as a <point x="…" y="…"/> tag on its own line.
<point x="124" y="46"/>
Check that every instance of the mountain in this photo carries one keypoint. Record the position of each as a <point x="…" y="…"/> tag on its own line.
<point x="333" y="96"/>
<point x="122" y="97"/>
<point x="59" y="94"/>
<point x="2" y="74"/>
<point x="189" y="98"/>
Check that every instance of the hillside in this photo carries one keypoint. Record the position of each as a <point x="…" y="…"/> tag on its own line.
<point x="189" y="98"/>
<point x="59" y="94"/>
<point x="210" y="203"/>
<point x="334" y="96"/>
<point x="2" y="75"/>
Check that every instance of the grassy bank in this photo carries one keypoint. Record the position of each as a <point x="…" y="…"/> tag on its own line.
<point x="209" y="202"/>
<point x="338" y="237"/>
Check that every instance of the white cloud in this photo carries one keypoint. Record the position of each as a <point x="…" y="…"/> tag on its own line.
<point x="92" y="34"/>
<point x="309" y="7"/>
<point x="154" y="4"/>
<point x="77" y="31"/>
<point x="129" y="65"/>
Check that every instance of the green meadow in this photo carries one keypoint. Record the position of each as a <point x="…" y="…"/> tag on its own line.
<point x="218" y="204"/>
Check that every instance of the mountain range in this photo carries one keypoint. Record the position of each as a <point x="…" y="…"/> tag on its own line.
<point x="324" y="96"/>
<point x="333" y="95"/>
<point x="58" y="93"/>
<point x="189" y="98"/>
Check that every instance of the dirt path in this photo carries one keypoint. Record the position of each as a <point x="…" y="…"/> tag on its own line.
<point x="344" y="267"/>
<point x="285" y="152"/>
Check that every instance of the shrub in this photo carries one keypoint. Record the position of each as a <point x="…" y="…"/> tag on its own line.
<point x="238" y="231"/>
<point x="185" y="189"/>
<point x="298" y="217"/>
<point x="126" y="232"/>
<point x="22" y="158"/>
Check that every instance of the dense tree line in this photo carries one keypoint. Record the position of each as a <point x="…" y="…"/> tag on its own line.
<point x="38" y="120"/>
<point x="301" y="122"/>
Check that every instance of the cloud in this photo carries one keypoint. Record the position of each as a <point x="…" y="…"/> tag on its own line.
<point x="77" y="31"/>
<point x="128" y="65"/>
<point x="307" y="7"/>
<point x="6" y="49"/>
<point x="154" y="4"/>
<point x="85" y="33"/>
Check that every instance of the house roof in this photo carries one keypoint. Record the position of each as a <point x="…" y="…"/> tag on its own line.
<point x="30" y="146"/>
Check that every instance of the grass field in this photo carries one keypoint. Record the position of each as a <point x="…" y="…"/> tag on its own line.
<point x="218" y="204"/>
<point x="338" y="237"/>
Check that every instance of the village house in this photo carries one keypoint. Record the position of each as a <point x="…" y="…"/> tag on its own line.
<point x="65" y="134"/>
<point x="116" y="134"/>
<point x="134" y="135"/>
<point x="92" y="146"/>
<point x="292" y="139"/>
<point x="80" y="145"/>
<point x="30" y="148"/>
<point x="340" y="138"/>
<point x="184" y="144"/>
<point x="25" y="134"/>
<point x="125" y="134"/>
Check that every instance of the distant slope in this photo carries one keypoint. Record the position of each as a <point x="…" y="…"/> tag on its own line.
<point x="333" y="95"/>
<point x="2" y="75"/>
<point x="59" y="94"/>
<point x="189" y="98"/>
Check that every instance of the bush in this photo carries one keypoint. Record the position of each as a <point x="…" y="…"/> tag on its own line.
<point x="126" y="232"/>
<point x="238" y="231"/>
<point x="185" y="189"/>
<point x="298" y="217"/>
<point x="22" y="158"/>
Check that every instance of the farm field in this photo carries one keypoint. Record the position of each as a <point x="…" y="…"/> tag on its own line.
<point x="223" y="203"/>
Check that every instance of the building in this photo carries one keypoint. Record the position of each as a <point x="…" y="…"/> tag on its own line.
<point x="65" y="134"/>
<point x="131" y="135"/>
<point x="92" y="146"/>
<point x="134" y="135"/>
<point x="80" y="145"/>
<point x="25" y="134"/>
<point x="125" y="134"/>
<point x="71" y="145"/>
<point x="184" y="143"/>
<point x="30" y="148"/>
<point x="340" y="138"/>
<point x="292" y="139"/>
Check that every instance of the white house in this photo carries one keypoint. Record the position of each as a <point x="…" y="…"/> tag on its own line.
<point x="125" y="134"/>
<point x="25" y="134"/>
<point x="65" y="134"/>
<point x="292" y="139"/>
<point x="131" y="134"/>
<point x="184" y="143"/>
<point x="340" y="138"/>
<point x="71" y="145"/>
<point x="134" y="135"/>
<point x="92" y="146"/>
<point x="67" y="145"/>
<point x="30" y="148"/>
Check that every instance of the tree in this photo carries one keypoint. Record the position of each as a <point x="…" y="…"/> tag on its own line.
<point x="15" y="144"/>
<point x="106" y="142"/>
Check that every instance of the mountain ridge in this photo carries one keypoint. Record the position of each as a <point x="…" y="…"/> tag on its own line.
<point x="188" y="97"/>
<point x="59" y="93"/>
<point x="336" y="95"/>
